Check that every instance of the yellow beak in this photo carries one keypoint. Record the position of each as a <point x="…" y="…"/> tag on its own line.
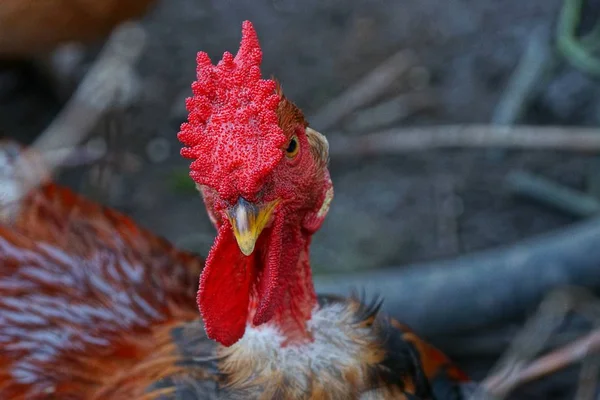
<point x="248" y="221"/>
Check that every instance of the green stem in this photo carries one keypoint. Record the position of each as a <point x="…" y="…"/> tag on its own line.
<point x="577" y="52"/>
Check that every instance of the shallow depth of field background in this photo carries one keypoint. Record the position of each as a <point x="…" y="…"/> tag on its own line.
<point x="389" y="210"/>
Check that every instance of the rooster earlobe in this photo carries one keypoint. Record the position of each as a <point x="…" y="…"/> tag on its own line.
<point x="313" y="220"/>
<point x="319" y="147"/>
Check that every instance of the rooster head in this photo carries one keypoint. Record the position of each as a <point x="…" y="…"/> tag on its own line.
<point x="263" y="175"/>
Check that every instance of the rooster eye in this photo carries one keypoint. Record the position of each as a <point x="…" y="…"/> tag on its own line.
<point x="292" y="148"/>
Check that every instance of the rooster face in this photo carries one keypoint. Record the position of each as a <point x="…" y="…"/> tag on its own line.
<point x="263" y="175"/>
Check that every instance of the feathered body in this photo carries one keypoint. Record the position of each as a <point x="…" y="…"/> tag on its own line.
<point x="85" y="294"/>
<point x="35" y="27"/>
<point x="94" y="307"/>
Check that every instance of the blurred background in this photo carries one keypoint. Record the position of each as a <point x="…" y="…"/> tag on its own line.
<point x="356" y="67"/>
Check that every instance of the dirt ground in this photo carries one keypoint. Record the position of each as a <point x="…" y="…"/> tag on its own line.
<point x="388" y="211"/>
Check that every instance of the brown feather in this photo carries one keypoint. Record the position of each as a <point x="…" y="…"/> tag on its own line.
<point x="290" y="117"/>
<point x="86" y="295"/>
<point x="433" y="361"/>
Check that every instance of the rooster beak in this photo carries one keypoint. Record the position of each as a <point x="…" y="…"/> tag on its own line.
<point x="248" y="221"/>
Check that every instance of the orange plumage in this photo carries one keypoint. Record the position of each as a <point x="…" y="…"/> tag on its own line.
<point x="86" y="296"/>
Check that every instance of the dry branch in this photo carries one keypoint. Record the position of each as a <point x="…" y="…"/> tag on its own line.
<point x="518" y="365"/>
<point x="111" y="80"/>
<point x="499" y="284"/>
<point x="391" y="112"/>
<point x="551" y="193"/>
<point x="556" y="360"/>
<point x="532" y="67"/>
<point x="364" y="91"/>
<point x="405" y="140"/>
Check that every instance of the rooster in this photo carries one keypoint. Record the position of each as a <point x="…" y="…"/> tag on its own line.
<point x="94" y="307"/>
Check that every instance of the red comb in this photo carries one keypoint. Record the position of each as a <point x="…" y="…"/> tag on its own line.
<point x="232" y="132"/>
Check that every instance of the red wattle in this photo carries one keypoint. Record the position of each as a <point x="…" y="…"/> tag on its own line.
<point x="269" y="286"/>
<point x="224" y="291"/>
<point x="279" y="269"/>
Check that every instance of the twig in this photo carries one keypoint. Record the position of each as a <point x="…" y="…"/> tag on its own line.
<point x="523" y="83"/>
<point x="536" y="334"/>
<point x="110" y="80"/>
<point x="515" y="366"/>
<point x="521" y="86"/>
<point x="545" y="191"/>
<point x="547" y="364"/>
<point x="72" y="157"/>
<point x="406" y="140"/>
<point x="526" y="271"/>
<point x="364" y="91"/>
<point x="391" y="111"/>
